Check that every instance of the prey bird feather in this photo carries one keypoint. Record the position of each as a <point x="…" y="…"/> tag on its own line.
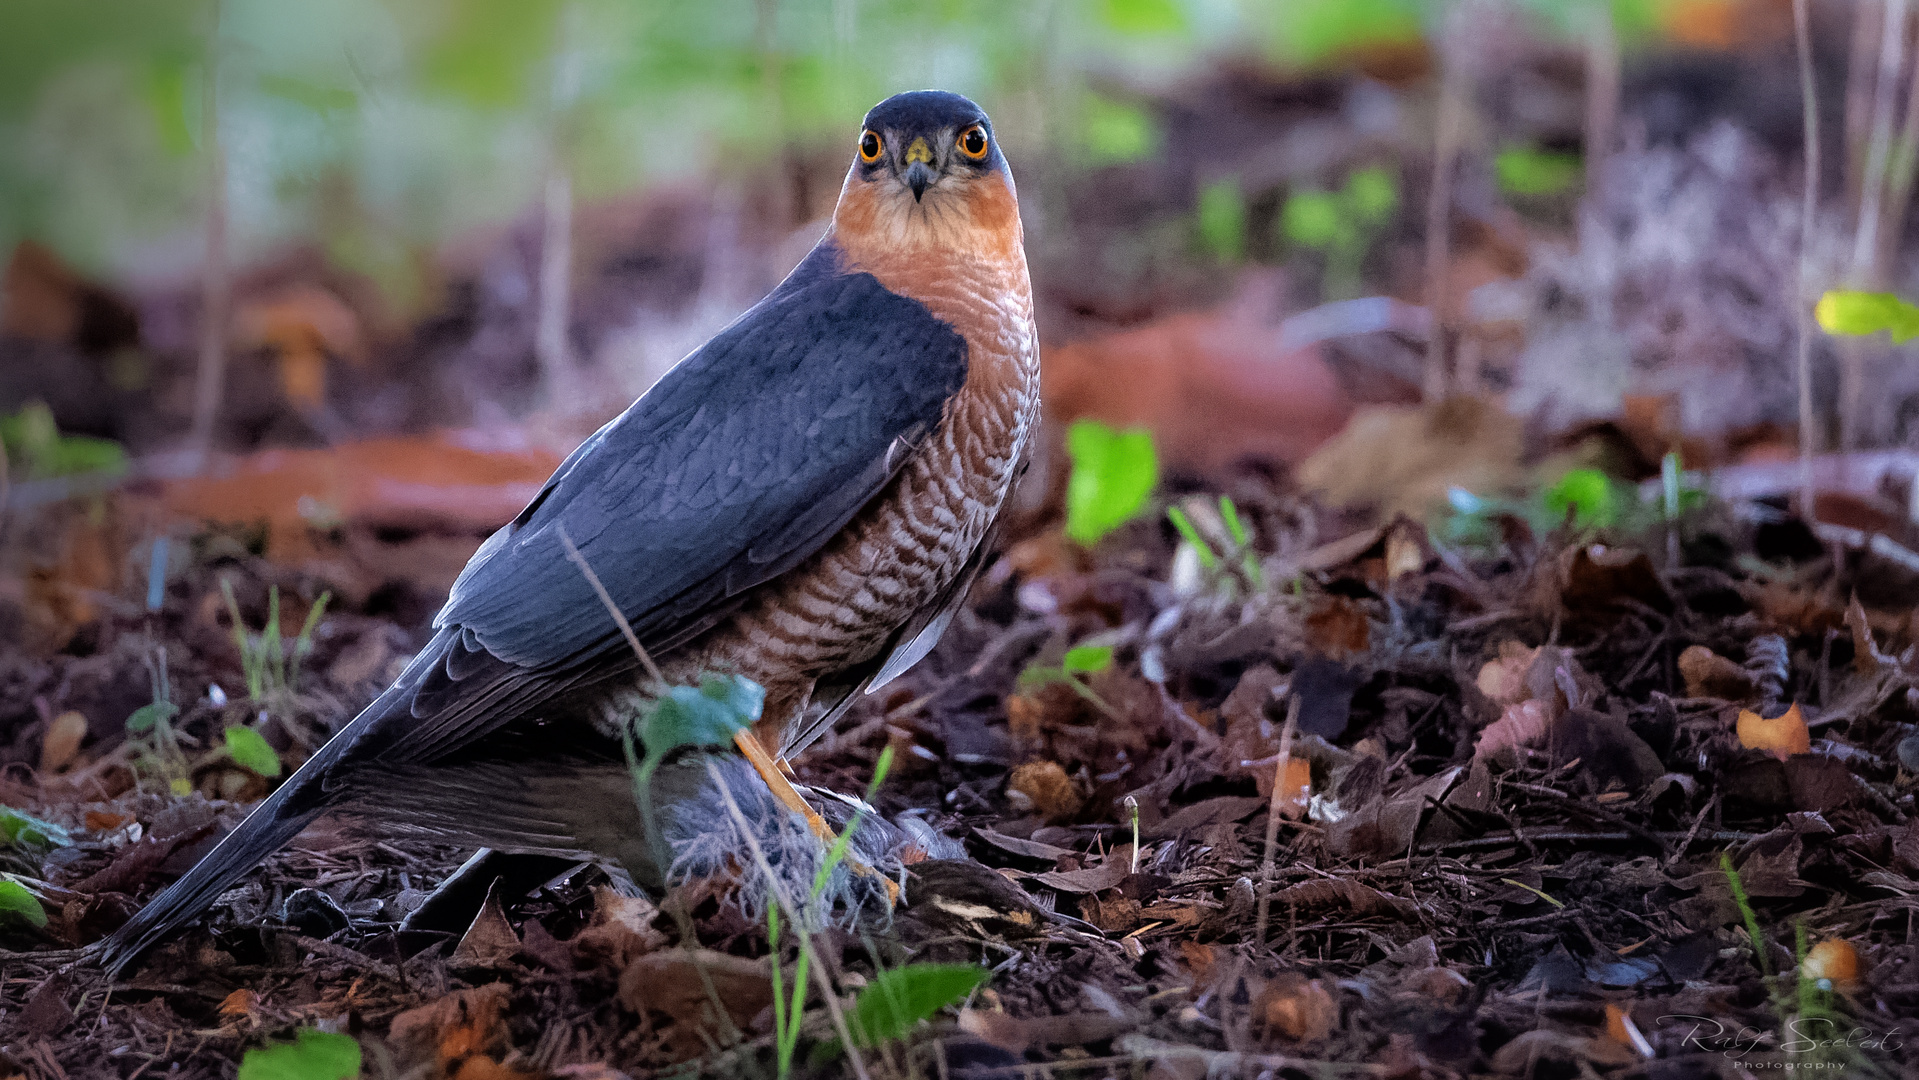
<point x="803" y="501"/>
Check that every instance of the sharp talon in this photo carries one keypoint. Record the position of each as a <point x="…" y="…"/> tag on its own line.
<point x="775" y="773"/>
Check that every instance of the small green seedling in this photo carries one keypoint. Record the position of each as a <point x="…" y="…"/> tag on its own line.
<point x="33" y="441"/>
<point x="1746" y="913"/>
<point x="898" y="999"/>
<point x="21" y="830"/>
<point x="249" y="750"/>
<point x="1847" y="313"/>
<point x="1222" y="220"/>
<point x="1238" y="542"/>
<point x="709" y="714"/>
<point x="1113" y="475"/>
<point x="19" y="905"/>
<point x="150" y="736"/>
<point x="789" y="1007"/>
<point x="272" y="670"/>
<point x="1343" y="224"/>
<point x="1588" y="496"/>
<point x="1079" y="662"/>
<point x="312" y="1055"/>
<point x="1532" y="173"/>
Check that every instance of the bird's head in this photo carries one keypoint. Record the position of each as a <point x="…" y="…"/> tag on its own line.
<point x="926" y="170"/>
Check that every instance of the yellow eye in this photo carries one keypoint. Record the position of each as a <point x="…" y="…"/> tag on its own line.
<point x="972" y="142"/>
<point x="869" y="147"/>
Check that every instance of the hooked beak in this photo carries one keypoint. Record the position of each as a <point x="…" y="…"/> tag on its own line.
<point x="919" y="176"/>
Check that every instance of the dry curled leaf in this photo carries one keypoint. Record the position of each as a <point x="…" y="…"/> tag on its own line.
<point x="62" y="743"/>
<point x="1504" y="679"/>
<point x="1781" y="736"/>
<point x="1709" y="675"/>
<point x="1296" y="1008"/>
<point x="1044" y="788"/>
<point x="1833" y="959"/>
<point x="1518" y="725"/>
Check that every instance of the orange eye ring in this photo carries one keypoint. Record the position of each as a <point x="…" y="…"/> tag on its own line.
<point x="870" y="146"/>
<point x="973" y="142"/>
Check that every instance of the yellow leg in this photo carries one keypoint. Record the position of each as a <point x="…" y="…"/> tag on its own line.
<point x="774" y="773"/>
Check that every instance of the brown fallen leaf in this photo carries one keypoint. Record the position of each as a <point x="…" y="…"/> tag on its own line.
<point x="1019" y="1034"/>
<point x="1361" y="901"/>
<point x="1044" y="788"/>
<point x="1094" y="879"/>
<point x="62" y="742"/>
<point x="449" y="1033"/>
<point x="1295" y="1008"/>
<point x="1296" y="790"/>
<point x="1781" y="736"/>
<point x="1405" y="458"/>
<point x="1710" y="675"/>
<point x="621" y="931"/>
<point x="673" y="983"/>
<point x="1520" y="724"/>
<point x="1503" y="679"/>
<point x="489" y="941"/>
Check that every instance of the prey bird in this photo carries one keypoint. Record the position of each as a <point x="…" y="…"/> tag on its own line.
<point x="803" y="501"/>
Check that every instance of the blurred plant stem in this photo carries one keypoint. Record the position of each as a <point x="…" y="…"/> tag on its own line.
<point x="1867" y="272"/>
<point x="1602" y="94"/>
<point x="1454" y="89"/>
<point x="215" y="283"/>
<point x="1859" y="85"/>
<point x="550" y="345"/>
<point x="1808" y="217"/>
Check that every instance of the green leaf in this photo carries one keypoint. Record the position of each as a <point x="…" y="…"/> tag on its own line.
<point x="154" y="712"/>
<point x="1087" y="659"/>
<point x="1533" y="172"/>
<point x="1310" y="31"/>
<point x="1222" y="220"/>
<point x="1588" y="495"/>
<point x="901" y="997"/>
<point x="1114" y="472"/>
<point x="23" y="830"/>
<point x="312" y="1055"/>
<point x="1854" y="314"/>
<point x="1314" y="219"/>
<point x="1116" y="132"/>
<point x="705" y="716"/>
<point x="1372" y="196"/>
<point x="250" y="751"/>
<point x="1145" y="16"/>
<point x="1190" y="533"/>
<point x="18" y="904"/>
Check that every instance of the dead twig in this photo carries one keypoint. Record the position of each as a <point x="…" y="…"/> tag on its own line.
<point x="1273" y="815"/>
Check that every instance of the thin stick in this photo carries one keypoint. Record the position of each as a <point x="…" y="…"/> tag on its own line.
<point x="792" y="916"/>
<point x="1859" y="86"/>
<point x="1808" y="210"/>
<point x="1602" y="94"/>
<point x="1852" y="354"/>
<point x="215" y="288"/>
<point x="612" y="609"/>
<point x="1272" y="816"/>
<point x="1901" y="169"/>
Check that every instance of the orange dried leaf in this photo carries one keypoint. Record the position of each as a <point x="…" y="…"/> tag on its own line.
<point x="1295" y="787"/>
<point x="240" y="1003"/>
<point x="101" y="821"/>
<point x="1709" y="675"/>
<point x="1781" y="736"/>
<point x="1833" y="960"/>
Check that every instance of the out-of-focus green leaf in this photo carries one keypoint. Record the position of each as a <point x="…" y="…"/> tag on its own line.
<point x="1522" y="171"/>
<point x="1087" y="659"/>
<point x="1313" y="219"/>
<point x="18" y="904"/>
<point x="1371" y="195"/>
<point x="708" y="715"/>
<point x="173" y="115"/>
<point x="1114" y="472"/>
<point x="312" y="1055"/>
<point x="250" y="751"/>
<point x="313" y="95"/>
<point x="146" y="716"/>
<point x="1117" y="132"/>
<point x="22" y="830"/>
<point x="1144" y="16"/>
<point x="1588" y="495"/>
<point x="899" y="998"/>
<point x="1853" y="314"/>
<point x="33" y="441"/>
<point x="1310" y="31"/>
<point x="1222" y="220"/>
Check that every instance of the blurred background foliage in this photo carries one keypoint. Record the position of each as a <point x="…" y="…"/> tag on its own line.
<point x="378" y="129"/>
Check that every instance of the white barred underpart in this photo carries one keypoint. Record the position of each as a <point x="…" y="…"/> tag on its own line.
<point x="840" y="607"/>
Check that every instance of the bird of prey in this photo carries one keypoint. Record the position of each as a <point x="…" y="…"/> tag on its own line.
<point x="803" y="501"/>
